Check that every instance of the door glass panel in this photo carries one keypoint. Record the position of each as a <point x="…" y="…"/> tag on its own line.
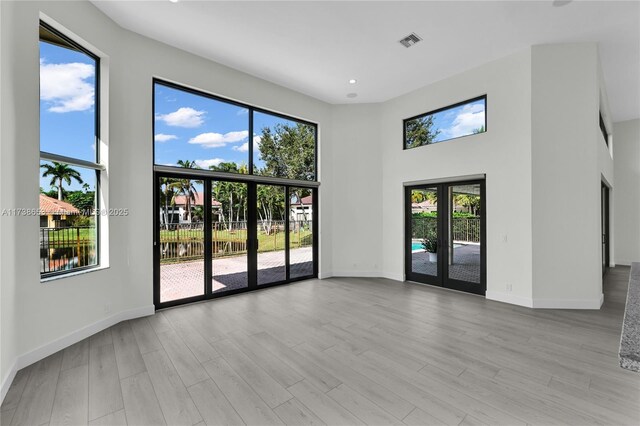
<point x="424" y="231"/>
<point x="464" y="232"/>
<point x="181" y="239"/>
<point x="300" y="232"/>
<point x="271" y="234"/>
<point x="229" y="236"/>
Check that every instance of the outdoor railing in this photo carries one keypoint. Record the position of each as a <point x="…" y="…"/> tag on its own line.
<point x="185" y="241"/>
<point x="67" y="248"/>
<point x="465" y="229"/>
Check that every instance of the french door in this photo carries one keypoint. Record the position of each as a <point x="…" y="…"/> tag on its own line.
<point x="604" y="226"/>
<point x="445" y="235"/>
<point x="216" y="237"/>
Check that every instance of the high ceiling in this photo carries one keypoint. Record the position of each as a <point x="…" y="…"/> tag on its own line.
<point x="317" y="47"/>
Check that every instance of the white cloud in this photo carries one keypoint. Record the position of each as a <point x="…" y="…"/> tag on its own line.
<point x="65" y="86"/>
<point x="183" y="117"/>
<point x="242" y="111"/>
<point x="217" y="140"/>
<point x="204" y="164"/>
<point x="161" y="137"/>
<point x="242" y="148"/>
<point x="471" y="117"/>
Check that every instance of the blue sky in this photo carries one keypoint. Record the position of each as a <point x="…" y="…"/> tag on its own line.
<point x="459" y="121"/>
<point x="67" y="102"/>
<point x="204" y="130"/>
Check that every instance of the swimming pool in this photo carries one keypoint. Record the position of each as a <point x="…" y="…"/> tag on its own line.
<point x="418" y="246"/>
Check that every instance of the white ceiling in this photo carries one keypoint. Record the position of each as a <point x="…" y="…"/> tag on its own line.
<point x="316" y="47"/>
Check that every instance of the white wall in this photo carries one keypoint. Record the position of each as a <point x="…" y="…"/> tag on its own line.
<point x="566" y="176"/>
<point x="357" y="200"/>
<point x="34" y="313"/>
<point x="503" y="153"/>
<point x="626" y="135"/>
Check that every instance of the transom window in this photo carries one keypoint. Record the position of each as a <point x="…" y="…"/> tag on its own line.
<point x="451" y="122"/>
<point x="201" y="131"/>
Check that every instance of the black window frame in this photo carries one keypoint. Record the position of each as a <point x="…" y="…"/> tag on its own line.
<point x="436" y="111"/>
<point x="68" y="43"/>
<point x="603" y="129"/>
<point x="251" y="110"/>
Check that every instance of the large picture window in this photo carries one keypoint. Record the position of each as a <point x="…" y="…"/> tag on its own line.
<point x="70" y="168"/>
<point x="451" y="122"/>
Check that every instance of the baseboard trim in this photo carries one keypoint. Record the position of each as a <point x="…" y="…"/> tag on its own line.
<point x="569" y="303"/>
<point x="362" y="274"/>
<point x="623" y="262"/>
<point x="7" y="380"/>
<point x="511" y="299"/>
<point x="56" y="345"/>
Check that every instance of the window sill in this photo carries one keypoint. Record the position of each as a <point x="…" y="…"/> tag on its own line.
<point x="72" y="274"/>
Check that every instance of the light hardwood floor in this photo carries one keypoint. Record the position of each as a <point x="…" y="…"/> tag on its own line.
<point x="343" y="352"/>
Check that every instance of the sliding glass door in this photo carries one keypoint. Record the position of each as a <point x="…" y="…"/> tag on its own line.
<point x="219" y="237"/>
<point x="445" y="244"/>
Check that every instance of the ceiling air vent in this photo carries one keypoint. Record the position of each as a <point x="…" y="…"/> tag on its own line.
<point x="410" y="40"/>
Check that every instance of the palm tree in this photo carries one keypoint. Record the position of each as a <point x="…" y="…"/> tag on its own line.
<point x="60" y="173"/>
<point x="184" y="187"/>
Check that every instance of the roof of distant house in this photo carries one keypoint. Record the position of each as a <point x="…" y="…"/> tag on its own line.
<point x="308" y="200"/>
<point x="51" y="206"/>
<point x="181" y="200"/>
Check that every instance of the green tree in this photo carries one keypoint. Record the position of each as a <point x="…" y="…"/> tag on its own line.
<point x="232" y="195"/>
<point x="288" y="151"/>
<point x="60" y="173"/>
<point x="83" y="201"/>
<point x="166" y="198"/>
<point x="472" y="202"/>
<point x="186" y="188"/>
<point x="420" y="131"/>
<point x="480" y="129"/>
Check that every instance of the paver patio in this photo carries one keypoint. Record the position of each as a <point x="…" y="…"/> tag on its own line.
<point x="186" y="279"/>
<point x="465" y="265"/>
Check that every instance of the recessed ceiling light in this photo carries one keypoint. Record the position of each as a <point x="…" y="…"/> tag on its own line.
<point x="353" y="81"/>
<point x="352" y="95"/>
<point x="174" y="1"/>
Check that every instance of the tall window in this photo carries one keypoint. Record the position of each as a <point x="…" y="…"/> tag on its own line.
<point x="451" y="122"/>
<point x="196" y="130"/>
<point x="70" y="167"/>
<point x="603" y="130"/>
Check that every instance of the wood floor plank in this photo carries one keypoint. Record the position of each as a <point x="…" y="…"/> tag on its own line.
<point x="175" y="401"/>
<point x="322" y="406"/>
<point x="188" y="367"/>
<point x="105" y="395"/>
<point x="420" y="417"/>
<point x="213" y="405"/>
<point x="140" y="402"/>
<point x="262" y="383"/>
<point x="244" y="400"/>
<point x="71" y="404"/>
<point x="272" y="364"/>
<point x="159" y="323"/>
<point x="14" y="393"/>
<point x="377" y="393"/>
<point x="37" y="398"/>
<point x="76" y="355"/>
<point x="199" y="346"/>
<point x="429" y="402"/>
<point x="6" y="416"/>
<point x="293" y="412"/>
<point x="145" y="335"/>
<point x="128" y="356"/>
<point x="114" y="419"/>
<point x="101" y="338"/>
<point x="312" y="372"/>
<point x="361" y="407"/>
